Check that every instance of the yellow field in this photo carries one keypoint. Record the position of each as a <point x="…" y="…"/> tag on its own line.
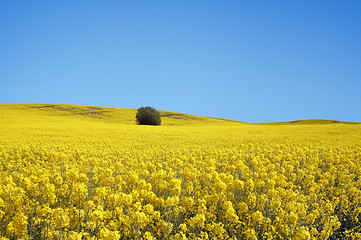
<point x="77" y="172"/>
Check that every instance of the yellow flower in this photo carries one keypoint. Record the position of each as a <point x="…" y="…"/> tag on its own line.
<point x="303" y="234"/>
<point x="148" y="236"/>
<point x="106" y="234"/>
<point x="172" y="201"/>
<point x="292" y="218"/>
<point x="250" y="234"/>
<point x="183" y="227"/>
<point x="257" y="217"/>
<point x="197" y="221"/>
<point x="242" y="207"/>
<point x="275" y="204"/>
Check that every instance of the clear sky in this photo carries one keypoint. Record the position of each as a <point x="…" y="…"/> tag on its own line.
<point x="253" y="61"/>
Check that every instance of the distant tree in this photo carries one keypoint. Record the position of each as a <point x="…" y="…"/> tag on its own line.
<point x="148" y="116"/>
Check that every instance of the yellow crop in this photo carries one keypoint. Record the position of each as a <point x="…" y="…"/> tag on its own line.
<point x="77" y="172"/>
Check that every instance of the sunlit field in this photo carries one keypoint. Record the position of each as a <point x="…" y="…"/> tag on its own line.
<point x="77" y="172"/>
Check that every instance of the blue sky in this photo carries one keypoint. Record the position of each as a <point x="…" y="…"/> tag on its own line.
<point x="253" y="61"/>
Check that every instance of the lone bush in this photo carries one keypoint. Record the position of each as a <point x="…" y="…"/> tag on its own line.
<point x="148" y="116"/>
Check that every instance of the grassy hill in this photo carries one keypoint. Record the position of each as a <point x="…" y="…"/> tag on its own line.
<point x="28" y="113"/>
<point x="65" y="112"/>
<point x="308" y="122"/>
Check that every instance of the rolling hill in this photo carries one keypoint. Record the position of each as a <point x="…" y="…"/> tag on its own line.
<point x="65" y="112"/>
<point x="10" y="112"/>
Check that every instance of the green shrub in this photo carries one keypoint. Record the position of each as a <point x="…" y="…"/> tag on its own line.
<point x="148" y="116"/>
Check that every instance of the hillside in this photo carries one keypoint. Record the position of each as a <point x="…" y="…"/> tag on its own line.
<point x="27" y="113"/>
<point x="309" y="122"/>
<point x="63" y="112"/>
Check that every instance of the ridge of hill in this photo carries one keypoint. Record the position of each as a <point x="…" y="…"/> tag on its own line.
<point x="42" y="112"/>
<point x="308" y="122"/>
<point x="68" y="112"/>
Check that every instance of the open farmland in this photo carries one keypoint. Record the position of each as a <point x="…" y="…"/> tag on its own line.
<point x="78" y="172"/>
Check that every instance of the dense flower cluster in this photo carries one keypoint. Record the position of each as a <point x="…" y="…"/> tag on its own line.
<point x="236" y="181"/>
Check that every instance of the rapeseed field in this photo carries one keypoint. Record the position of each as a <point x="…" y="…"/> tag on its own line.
<point x="80" y="172"/>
